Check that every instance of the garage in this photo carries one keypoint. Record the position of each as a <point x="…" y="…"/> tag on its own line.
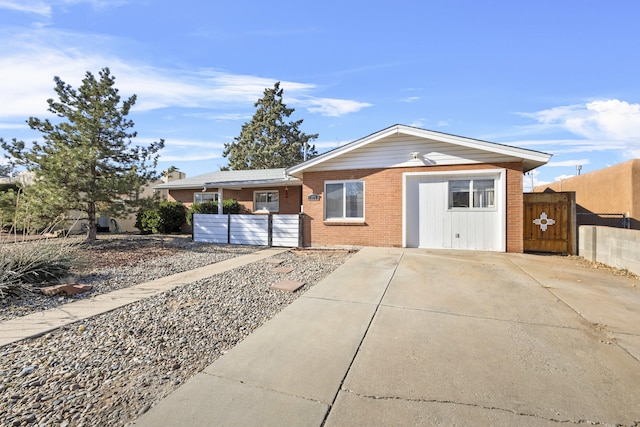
<point x="455" y="210"/>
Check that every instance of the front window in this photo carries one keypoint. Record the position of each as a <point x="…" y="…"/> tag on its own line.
<point x="266" y="201"/>
<point x="344" y="200"/>
<point x="205" y="197"/>
<point x="472" y="193"/>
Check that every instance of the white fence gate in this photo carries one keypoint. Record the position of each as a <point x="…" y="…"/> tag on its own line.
<point x="261" y="230"/>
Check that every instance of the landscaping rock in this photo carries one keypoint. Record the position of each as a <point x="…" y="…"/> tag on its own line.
<point x="67" y="289"/>
<point x="111" y="368"/>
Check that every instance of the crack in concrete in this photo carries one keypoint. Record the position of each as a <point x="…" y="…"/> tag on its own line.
<point x="490" y="408"/>
<point x="378" y="305"/>
<point x="475" y="316"/>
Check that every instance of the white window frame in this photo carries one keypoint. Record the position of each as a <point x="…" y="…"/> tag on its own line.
<point x="344" y="204"/>
<point x="491" y="208"/>
<point x="264" y="208"/>
<point x="205" y="196"/>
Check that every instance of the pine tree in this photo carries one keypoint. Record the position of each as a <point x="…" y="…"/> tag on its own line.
<point x="268" y="141"/>
<point x="87" y="161"/>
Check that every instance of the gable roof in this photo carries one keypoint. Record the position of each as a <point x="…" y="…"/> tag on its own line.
<point x="395" y="146"/>
<point x="241" y="178"/>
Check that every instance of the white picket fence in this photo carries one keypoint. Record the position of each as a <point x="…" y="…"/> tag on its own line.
<point x="261" y="230"/>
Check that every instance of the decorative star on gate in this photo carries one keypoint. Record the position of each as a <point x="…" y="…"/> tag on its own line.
<point x="543" y="221"/>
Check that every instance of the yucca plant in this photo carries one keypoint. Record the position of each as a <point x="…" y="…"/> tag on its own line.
<point x="28" y="265"/>
<point x="29" y="261"/>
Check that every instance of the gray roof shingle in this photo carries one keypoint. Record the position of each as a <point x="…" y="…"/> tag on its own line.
<point x="237" y="178"/>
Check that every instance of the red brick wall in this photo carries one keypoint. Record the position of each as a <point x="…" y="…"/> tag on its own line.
<point x="383" y="206"/>
<point x="515" y="213"/>
<point x="288" y="205"/>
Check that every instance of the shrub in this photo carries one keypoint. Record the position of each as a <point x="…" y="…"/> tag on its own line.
<point x="167" y="217"/>
<point x="26" y="265"/>
<point x="172" y="216"/>
<point x="228" y="206"/>
<point x="148" y="221"/>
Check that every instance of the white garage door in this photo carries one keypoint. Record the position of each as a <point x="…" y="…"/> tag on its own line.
<point x="455" y="211"/>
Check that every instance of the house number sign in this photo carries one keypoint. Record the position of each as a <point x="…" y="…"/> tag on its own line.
<point x="543" y="221"/>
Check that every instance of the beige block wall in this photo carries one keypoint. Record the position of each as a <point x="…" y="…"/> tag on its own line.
<point x="615" y="189"/>
<point x="383" y="206"/>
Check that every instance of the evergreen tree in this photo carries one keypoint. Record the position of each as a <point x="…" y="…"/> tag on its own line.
<point x="87" y="161"/>
<point x="5" y="171"/>
<point x="268" y="141"/>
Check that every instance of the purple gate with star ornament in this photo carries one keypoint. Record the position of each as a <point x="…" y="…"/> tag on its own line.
<point x="550" y="222"/>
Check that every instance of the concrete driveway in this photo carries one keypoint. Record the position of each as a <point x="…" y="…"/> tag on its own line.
<point x="415" y="337"/>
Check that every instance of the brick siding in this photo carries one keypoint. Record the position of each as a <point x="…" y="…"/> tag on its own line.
<point x="383" y="206"/>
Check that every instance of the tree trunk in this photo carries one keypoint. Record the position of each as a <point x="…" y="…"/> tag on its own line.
<point x="93" y="226"/>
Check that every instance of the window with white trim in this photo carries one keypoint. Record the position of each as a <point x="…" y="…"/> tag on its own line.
<point x="344" y="200"/>
<point x="266" y="201"/>
<point x="472" y="194"/>
<point x="200" y="197"/>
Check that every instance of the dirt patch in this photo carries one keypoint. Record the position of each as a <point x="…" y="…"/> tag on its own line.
<point x="599" y="266"/>
<point x="115" y="252"/>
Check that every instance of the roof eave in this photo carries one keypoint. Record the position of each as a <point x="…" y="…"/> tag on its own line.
<point x="254" y="184"/>
<point x="532" y="159"/>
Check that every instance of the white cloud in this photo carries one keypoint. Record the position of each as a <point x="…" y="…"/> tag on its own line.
<point x="418" y="123"/>
<point x="32" y="60"/>
<point x="26" y="6"/>
<point x="191" y="156"/>
<point x="411" y="99"/>
<point x="45" y="8"/>
<point x="13" y="126"/>
<point x="177" y="150"/>
<point x="332" y="107"/>
<point x="604" y="124"/>
<point x="223" y="117"/>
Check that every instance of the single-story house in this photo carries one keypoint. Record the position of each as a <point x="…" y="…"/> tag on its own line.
<point x="399" y="187"/>
<point x="409" y="187"/>
<point x="257" y="191"/>
<point x="602" y="193"/>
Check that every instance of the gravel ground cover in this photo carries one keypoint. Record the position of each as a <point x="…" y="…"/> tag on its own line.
<point x="109" y="369"/>
<point x="119" y="261"/>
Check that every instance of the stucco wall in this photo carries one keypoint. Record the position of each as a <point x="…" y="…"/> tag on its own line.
<point x="615" y="247"/>
<point x="383" y="206"/>
<point x="615" y="189"/>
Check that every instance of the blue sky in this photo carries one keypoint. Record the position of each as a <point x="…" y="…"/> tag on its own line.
<point x="555" y="76"/>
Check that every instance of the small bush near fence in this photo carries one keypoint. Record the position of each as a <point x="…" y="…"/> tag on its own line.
<point x="211" y="207"/>
<point x="167" y="217"/>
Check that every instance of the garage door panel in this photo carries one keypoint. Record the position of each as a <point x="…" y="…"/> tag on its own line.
<point x="431" y="210"/>
<point x="440" y="227"/>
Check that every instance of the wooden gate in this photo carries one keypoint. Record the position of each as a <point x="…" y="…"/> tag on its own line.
<point x="550" y="222"/>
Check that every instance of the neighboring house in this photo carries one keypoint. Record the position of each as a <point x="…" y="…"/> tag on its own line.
<point x="127" y="223"/>
<point x="409" y="187"/>
<point x="76" y="220"/>
<point x="257" y="191"/>
<point x="612" y="190"/>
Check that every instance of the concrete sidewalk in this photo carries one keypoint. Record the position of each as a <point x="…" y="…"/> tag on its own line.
<point x="415" y="337"/>
<point x="42" y="322"/>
